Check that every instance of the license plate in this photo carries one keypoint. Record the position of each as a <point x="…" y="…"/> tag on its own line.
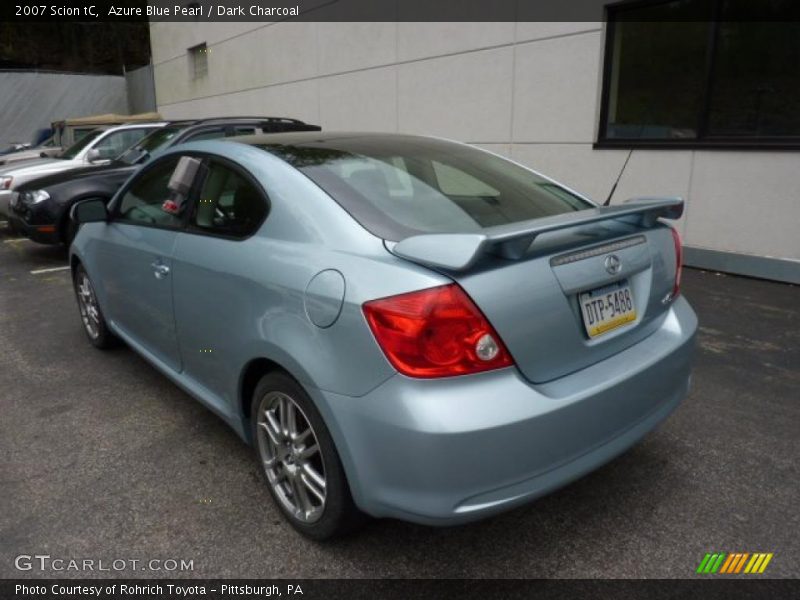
<point x="607" y="308"/>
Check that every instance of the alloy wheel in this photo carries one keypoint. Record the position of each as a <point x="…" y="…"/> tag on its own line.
<point x="292" y="458"/>
<point x="87" y="303"/>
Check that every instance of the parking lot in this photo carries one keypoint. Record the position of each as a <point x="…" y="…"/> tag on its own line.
<point x="104" y="458"/>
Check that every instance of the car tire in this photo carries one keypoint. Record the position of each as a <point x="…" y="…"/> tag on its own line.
<point x="94" y="323"/>
<point x="292" y="478"/>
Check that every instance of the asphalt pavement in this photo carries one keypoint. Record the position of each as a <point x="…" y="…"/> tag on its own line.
<point x="102" y="458"/>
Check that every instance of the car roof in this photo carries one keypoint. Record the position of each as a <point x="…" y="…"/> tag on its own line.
<point x="132" y="126"/>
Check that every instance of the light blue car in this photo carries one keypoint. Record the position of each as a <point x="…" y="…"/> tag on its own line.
<point x="402" y="326"/>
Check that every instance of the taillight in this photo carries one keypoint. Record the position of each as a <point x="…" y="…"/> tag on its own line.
<point x="676" y="238"/>
<point x="437" y="332"/>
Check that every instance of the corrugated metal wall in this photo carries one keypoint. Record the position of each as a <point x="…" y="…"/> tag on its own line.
<point x="31" y="100"/>
<point x="141" y="90"/>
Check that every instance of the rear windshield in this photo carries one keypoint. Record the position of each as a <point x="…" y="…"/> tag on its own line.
<point x="398" y="187"/>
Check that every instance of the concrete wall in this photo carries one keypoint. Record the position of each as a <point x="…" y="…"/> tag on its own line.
<point x="31" y="100"/>
<point x="530" y="91"/>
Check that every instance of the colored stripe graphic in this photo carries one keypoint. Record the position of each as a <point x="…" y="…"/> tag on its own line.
<point x="703" y="563"/>
<point x="740" y="564"/>
<point x="711" y="562"/>
<point x="754" y="562"/>
<point x="727" y="564"/>
<point x="730" y="565"/>
<point x="718" y="563"/>
<point x="734" y="563"/>
<point x="764" y="564"/>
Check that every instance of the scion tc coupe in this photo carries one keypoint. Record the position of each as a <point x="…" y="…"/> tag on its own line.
<point x="401" y="326"/>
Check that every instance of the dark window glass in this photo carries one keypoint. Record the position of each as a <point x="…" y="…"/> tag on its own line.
<point x="148" y="144"/>
<point x="244" y="130"/>
<point x="229" y="204"/>
<point x="398" y="187"/>
<point x="116" y="143"/>
<point x="79" y="132"/>
<point x="76" y="148"/>
<point x="144" y="202"/>
<point x="756" y="80"/>
<point x="657" y="80"/>
<point x="206" y="134"/>
<point x="699" y="70"/>
<point x="198" y="61"/>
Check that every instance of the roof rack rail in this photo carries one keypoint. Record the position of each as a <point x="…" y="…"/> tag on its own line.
<point x="239" y="118"/>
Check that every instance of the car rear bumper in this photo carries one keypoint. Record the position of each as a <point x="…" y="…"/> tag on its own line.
<point x="448" y="451"/>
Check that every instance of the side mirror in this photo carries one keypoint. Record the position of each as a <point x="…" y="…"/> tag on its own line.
<point x="92" y="210"/>
<point x="93" y="155"/>
<point x="183" y="176"/>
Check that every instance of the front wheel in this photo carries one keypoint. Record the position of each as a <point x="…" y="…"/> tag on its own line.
<point x="94" y="323"/>
<point x="299" y="460"/>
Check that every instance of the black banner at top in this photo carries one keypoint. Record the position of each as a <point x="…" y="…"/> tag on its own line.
<point x="196" y="11"/>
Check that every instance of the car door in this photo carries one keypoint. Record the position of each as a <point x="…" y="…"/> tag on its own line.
<point x="217" y="300"/>
<point x="135" y="262"/>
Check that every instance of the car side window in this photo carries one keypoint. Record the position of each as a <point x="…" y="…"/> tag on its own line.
<point x="206" y="134"/>
<point x="229" y="204"/>
<point x="116" y="143"/>
<point x="147" y="200"/>
<point x="243" y="130"/>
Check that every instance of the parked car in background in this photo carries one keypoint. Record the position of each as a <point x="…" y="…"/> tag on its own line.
<point x="66" y="132"/>
<point x="15" y="148"/>
<point x="41" y="147"/>
<point x="40" y="137"/>
<point x="40" y="211"/>
<point x="402" y="326"/>
<point x="96" y="148"/>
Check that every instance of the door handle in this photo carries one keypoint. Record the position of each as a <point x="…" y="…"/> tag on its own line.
<point x="160" y="270"/>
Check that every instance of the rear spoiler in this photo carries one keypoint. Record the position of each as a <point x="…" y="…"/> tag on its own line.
<point x="459" y="251"/>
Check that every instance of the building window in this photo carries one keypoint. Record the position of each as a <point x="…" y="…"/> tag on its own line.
<point x="697" y="73"/>
<point x="198" y="61"/>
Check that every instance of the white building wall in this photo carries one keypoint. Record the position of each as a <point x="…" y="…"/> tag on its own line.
<point x="530" y="91"/>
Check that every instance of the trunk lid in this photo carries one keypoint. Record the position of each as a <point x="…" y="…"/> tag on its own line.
<point x="531" y="293"/>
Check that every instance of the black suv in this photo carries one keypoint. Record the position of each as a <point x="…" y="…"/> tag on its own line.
<point x="41" y="210"/>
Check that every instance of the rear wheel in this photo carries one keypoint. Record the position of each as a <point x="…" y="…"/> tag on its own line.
<point x="299" y="460"/>
<point x="94" y="323"/>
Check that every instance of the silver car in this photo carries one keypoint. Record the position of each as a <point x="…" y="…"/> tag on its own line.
<point x="27" y="153"/>
<point x="402" y="326"/>
<point x="97" y="147"/>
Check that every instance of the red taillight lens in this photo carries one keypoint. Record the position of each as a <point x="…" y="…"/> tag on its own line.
<point x="676" y="237"/>
<point x="438" y="332"/>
